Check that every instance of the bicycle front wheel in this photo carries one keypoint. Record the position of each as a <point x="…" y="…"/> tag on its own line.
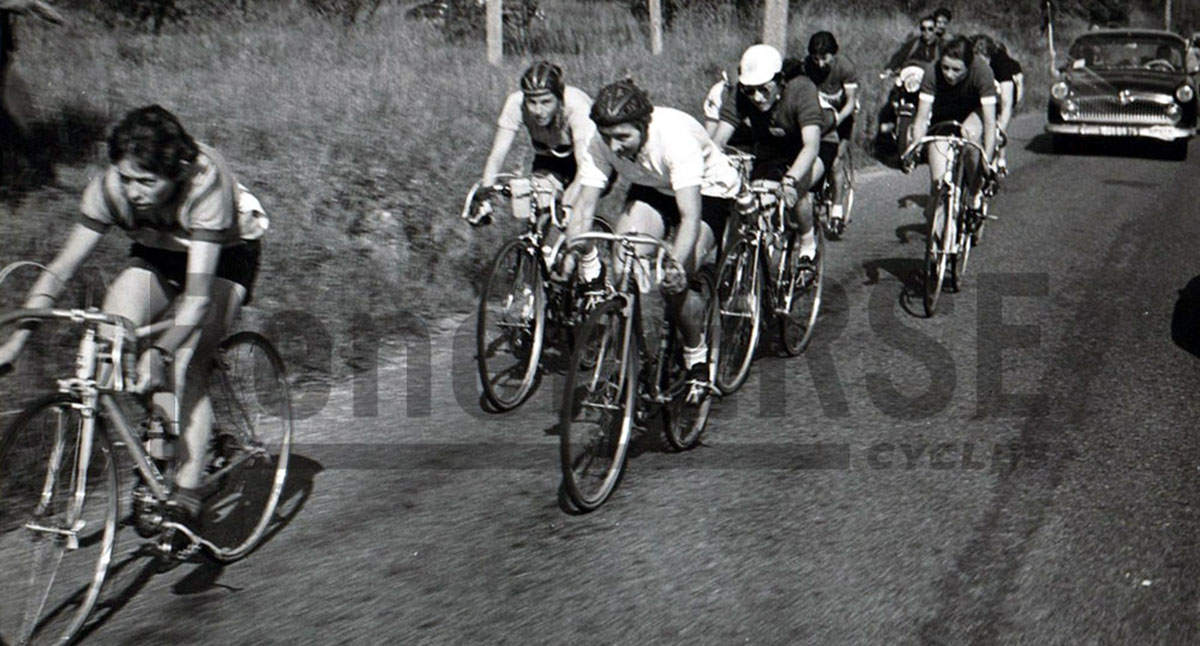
<point x="58" y="522"/>
<point x="251" y="443"/>
<point x="685" y="421"/>
<point x="511" y="325"/>
<point x="739" y="293"/>
<point x="598" y="406"/>
<point x="800" y="289"/>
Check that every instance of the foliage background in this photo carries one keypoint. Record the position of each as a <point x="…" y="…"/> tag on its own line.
<point x="361" y="130"/>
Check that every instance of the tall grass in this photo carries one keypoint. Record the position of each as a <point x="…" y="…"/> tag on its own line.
<point x="362" y="141"/>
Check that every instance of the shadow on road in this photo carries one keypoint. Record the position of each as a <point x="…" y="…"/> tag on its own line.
<point x="1126" y="147"/>
<point x="1185" y="322"/>
<point x="128" y="577"/>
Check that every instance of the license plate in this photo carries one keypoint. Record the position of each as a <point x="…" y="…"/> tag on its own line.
<point x="1107" y="131"/>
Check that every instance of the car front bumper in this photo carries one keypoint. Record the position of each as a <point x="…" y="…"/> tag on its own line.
<point x="1164" y="133"/>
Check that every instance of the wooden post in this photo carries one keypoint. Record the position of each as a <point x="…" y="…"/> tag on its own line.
<point x="656" y="27"/>
<point x="1167" y="16"/>
<point x="1049" y="9"/>
<point x="495" y="31"/>
<point x="775" y="24"/>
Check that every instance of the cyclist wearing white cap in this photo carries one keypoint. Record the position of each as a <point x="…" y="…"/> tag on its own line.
<point x="788" y="125"/>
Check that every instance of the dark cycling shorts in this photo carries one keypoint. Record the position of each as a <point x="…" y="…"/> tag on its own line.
<point x="713" y="210"/>
<point x="774" y="169"/>
<point x="238" y="264"/>
<point x="561" y="167"/>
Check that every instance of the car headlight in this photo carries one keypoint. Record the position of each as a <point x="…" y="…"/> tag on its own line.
<point x="1185" y="93"/>
<point x="1060" y="90"/>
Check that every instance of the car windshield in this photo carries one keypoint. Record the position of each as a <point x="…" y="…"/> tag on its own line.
<point x="1127" y="53"/>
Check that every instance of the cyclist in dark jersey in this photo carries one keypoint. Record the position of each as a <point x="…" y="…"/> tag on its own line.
<point x="1007" y="72"/>
<point x="836" y="79"/>
<point x="960" y="88"/>
<point x="794" y="141"/>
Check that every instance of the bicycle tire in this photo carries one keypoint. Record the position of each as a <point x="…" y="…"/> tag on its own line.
<point x="598" y="408"/>
<point x="43" y="599"/>
<point x="740" y="300"/>
<point x="801" y="300"/>
<point x="684" y="423"/>
<point x="937" y="253"/>
<point x="514" y="281"/>
<point x="251" y="443"/>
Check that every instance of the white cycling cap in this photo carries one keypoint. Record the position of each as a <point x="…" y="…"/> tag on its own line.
<point x="760" y="64"/>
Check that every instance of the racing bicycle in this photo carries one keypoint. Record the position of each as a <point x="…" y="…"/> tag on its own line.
<point x="618" y="375"/>
<point x="954" y="228"/>
<point x="61" y="481"/>
<point x="760" y="272"/>
<point x="521" y="300"/>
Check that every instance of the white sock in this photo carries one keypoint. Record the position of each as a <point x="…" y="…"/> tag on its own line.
<point x="695" y="356"/>
<point x="589" y="265"/>
<point x="837" y="212"/>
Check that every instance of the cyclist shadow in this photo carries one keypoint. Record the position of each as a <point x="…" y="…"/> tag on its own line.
<point x="129" y="576"/>
<point x="908" y="272"/>
<point x="1185" y="319"/>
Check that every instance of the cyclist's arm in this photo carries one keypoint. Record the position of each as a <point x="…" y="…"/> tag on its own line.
<point x="689" y="202"/>
<point x="801" y="168"/>
<point x="851" y="90"/>
<point x="197" y="294"/>
<point x="50" y="284"/>
<point x="501" y="144"/>
<point x="1004" y="116"/>
<point x="989" y="130"/>
<point x="723" y="133"/>
<point x="920" y="123"/>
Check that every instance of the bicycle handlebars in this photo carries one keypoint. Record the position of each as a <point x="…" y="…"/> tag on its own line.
<point x="627" y="241"/>
<point x="504" y="186"/>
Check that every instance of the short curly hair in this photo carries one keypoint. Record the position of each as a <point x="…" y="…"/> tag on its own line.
<point x="154" y="138"/>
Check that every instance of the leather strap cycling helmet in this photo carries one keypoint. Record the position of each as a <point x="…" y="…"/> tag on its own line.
<point x="621" y="102"/>
<point x="543" y="76"/>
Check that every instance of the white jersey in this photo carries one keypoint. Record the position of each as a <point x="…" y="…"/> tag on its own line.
<point x="677" y="154"/>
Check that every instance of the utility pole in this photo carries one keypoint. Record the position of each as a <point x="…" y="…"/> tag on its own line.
<point x="656" y="27"/>
<point x="775" y="24"/>
<point x="495" y="31"/>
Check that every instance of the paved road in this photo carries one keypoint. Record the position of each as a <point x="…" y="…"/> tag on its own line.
<point x="1019" y="469"/>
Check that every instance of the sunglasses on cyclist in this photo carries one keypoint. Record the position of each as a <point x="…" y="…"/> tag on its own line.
<point x="750" y="90"/>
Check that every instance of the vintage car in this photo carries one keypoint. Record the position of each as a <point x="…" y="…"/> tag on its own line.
<point x="1125" y="83"/>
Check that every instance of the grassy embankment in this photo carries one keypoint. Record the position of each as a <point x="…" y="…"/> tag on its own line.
<point x="361" y="143"/>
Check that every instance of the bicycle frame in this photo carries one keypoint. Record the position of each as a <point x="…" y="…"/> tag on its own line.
<point x="95" y="356"/>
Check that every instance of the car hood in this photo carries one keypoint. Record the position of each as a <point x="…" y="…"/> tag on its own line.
<point x="1090" y="81"/>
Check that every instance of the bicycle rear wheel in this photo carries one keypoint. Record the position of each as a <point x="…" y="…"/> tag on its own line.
<point x="251" y="443"/>
<point x="54" y="555"/>
<point x="684" y="422"/>
<point x="800" y="289"/>
<point x="937" y="252"/>
<point x="598" y="407"/>
<point x="739" y="293"/>
<point x="510" y="325"/>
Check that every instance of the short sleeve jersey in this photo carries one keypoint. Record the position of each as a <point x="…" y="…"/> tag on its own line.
<point x="572" y="126"/>
<point x="957" y="102"/>
<point x="677" y="154"/>
<point x="777" y="132"/>
<point x="832" y="82"/>
<point x="208" y="206"/>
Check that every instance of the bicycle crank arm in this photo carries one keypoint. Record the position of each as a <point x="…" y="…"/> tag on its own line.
<point x="195" y="541"/>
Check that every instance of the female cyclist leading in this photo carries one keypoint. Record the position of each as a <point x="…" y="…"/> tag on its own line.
<point x="196" y="240"/>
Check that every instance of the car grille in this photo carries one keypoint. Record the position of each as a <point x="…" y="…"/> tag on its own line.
<point x="1105" y="109"/>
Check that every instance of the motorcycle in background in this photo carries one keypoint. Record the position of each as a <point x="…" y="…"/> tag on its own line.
<point x="895" y="120"/>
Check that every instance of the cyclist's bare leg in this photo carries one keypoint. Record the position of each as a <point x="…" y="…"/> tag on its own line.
<point x="801" y="214"/>
<point x="139" y="296"/>
<point x="192" y="362"/>
<point x="973" y="130"/>
<point x="937" y="154"/>
<point x="838" y="178"/>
